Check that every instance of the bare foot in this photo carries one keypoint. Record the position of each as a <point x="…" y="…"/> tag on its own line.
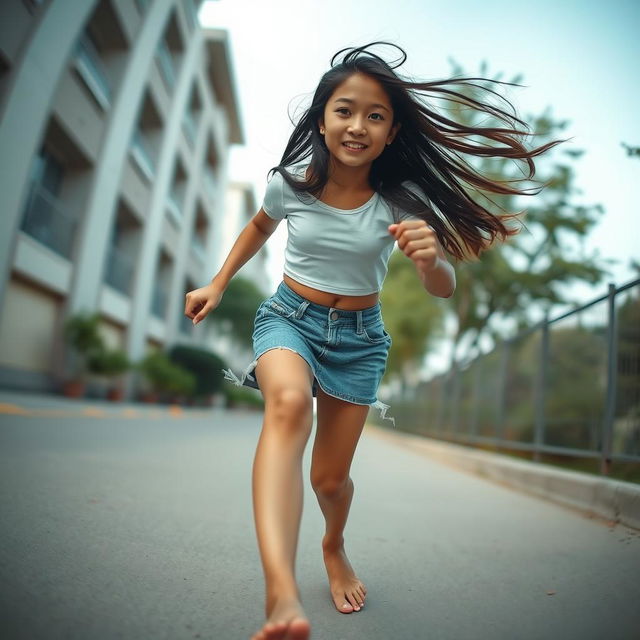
<point x="347" y="591"/>
<point x="287" y="621"/>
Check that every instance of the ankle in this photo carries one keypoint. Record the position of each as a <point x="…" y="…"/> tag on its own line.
<point x="332" y="544"/>
<point x="282" y="591"/>
<point x="275" y="597"/>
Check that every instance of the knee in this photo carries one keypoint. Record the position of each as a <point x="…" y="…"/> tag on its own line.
<point x="330" y="486"/>
<point x="290" y="406"/>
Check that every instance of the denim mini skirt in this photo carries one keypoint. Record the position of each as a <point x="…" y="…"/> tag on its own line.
<point x="346" y="350"/>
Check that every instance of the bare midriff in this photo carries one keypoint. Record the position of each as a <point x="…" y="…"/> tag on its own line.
<point x="337" y="301"/>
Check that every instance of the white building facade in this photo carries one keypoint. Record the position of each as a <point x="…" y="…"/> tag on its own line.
<point x="116" y="118"/>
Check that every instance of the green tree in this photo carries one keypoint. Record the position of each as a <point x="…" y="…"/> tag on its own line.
<point x="237" y="309"/>
<point x="412" y="317"/>
<point x="532" y="267"/>
<point x="632" y="152"/>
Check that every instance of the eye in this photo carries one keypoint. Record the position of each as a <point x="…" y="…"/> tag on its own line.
<point x="343" y="110"/>
<point x="379" y="116"/>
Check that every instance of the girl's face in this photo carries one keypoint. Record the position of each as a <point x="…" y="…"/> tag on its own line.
<point x="358" y="121"/>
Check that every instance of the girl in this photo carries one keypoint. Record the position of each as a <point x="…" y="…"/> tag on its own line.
<point x="369" y="164"/>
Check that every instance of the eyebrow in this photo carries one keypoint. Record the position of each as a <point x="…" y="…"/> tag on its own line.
<point x="350" y="101"/>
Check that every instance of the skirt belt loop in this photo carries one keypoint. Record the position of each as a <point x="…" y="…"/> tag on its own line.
<point x="301" y="309"/>
<point x="359" y="321"/>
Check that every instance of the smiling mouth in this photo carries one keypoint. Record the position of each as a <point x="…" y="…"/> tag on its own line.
<point x="354" y="145"/>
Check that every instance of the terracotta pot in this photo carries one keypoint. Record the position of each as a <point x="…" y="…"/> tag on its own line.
<point x="74" y="388"/>
<point x="115" y="394"/>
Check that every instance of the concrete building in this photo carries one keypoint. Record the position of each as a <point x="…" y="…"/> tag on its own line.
<point x="116" y="118"/>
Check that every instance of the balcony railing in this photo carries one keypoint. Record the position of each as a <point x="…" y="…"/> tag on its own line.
<point x="120" y="267"/>
<point x="91" y="70"/>
<point x="165" y="62"/>
<point x="142" y="156"/>
<point x="159" y="302"/>
<point x="49" y="221"/>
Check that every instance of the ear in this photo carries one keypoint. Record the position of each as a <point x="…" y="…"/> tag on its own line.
<point x="321" y="126"/>
<point x="393" y="132"/>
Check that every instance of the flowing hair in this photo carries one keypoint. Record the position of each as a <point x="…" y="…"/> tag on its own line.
<point x="425" y="153"/>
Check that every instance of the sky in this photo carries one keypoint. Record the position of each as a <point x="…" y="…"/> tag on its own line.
<point x="578" y="59"/>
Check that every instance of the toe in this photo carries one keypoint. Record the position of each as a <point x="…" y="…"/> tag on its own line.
<point x="278" y="631"/>
<point x="299" y="629"/>
<point x="345" y="607"/>
<point x="355" y="600"/>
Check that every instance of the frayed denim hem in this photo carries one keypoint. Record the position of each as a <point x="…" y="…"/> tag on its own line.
<point x="232" y="377"/>
<point x="249" y="380"/>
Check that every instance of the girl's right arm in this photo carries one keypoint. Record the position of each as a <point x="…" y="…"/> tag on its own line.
<point x="258" y="230"/>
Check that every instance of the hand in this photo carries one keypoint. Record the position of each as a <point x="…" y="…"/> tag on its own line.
<point x="418" y="241"/>
<point x="200" y="301"/>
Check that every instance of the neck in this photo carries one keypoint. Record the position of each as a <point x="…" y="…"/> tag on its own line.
<point x="356" y="178"/>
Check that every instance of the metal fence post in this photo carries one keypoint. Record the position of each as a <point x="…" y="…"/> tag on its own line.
<point x="455" y="402"/>
<point x="610" y="408"/>
<point x="442" y="394"/>
<point x="502" y="391"/>
<point x="473" y="426"/>
<point x="541" y="389"/>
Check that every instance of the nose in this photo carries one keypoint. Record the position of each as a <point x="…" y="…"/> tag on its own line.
<point x="356" y="128"/>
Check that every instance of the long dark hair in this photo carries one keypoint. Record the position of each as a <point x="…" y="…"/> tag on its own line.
<point x="426" y="152"/>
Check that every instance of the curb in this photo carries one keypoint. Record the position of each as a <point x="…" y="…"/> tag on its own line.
<point x="614" y="500"/>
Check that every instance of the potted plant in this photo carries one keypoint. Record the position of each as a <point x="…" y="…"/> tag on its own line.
<point x="163" y="377"/>
<point x="110" y="363"/>
<point x="82" y="335"/>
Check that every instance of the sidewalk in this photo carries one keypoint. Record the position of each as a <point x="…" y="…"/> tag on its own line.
<point x="613" y="500"/>
<point x="26" y="403"/>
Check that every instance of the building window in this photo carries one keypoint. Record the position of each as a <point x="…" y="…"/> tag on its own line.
<point x="142" y="156"/>
<point x="165" y="62"/>
<point x="47" y="218"/>
<point x="169" y="52"/>
<point x="89" y="66"/>
<point x="147" y="137"/>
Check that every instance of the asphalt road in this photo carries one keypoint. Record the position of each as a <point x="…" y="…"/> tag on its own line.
<point x="125" y="523"/>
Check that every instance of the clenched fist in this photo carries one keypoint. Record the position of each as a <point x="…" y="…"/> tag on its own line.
<point x="418" y="241"/>
<point x="200" y="301"/>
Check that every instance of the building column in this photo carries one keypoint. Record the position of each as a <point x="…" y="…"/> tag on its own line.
<point x="147" y="266"/>
<point x="93" y="246"/>
<point x="26" y="113"/>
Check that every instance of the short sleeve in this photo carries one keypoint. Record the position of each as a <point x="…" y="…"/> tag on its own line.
<point x="273" y="203"/>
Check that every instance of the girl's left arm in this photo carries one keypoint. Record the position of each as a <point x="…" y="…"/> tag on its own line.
<point x="419" y="242"/>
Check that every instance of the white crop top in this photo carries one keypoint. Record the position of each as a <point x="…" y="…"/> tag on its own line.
<point x="342" y="251"/>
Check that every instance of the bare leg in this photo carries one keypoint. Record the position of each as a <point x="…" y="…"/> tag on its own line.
<point x="339" y="428"/>
<point x="285" y="381"/>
